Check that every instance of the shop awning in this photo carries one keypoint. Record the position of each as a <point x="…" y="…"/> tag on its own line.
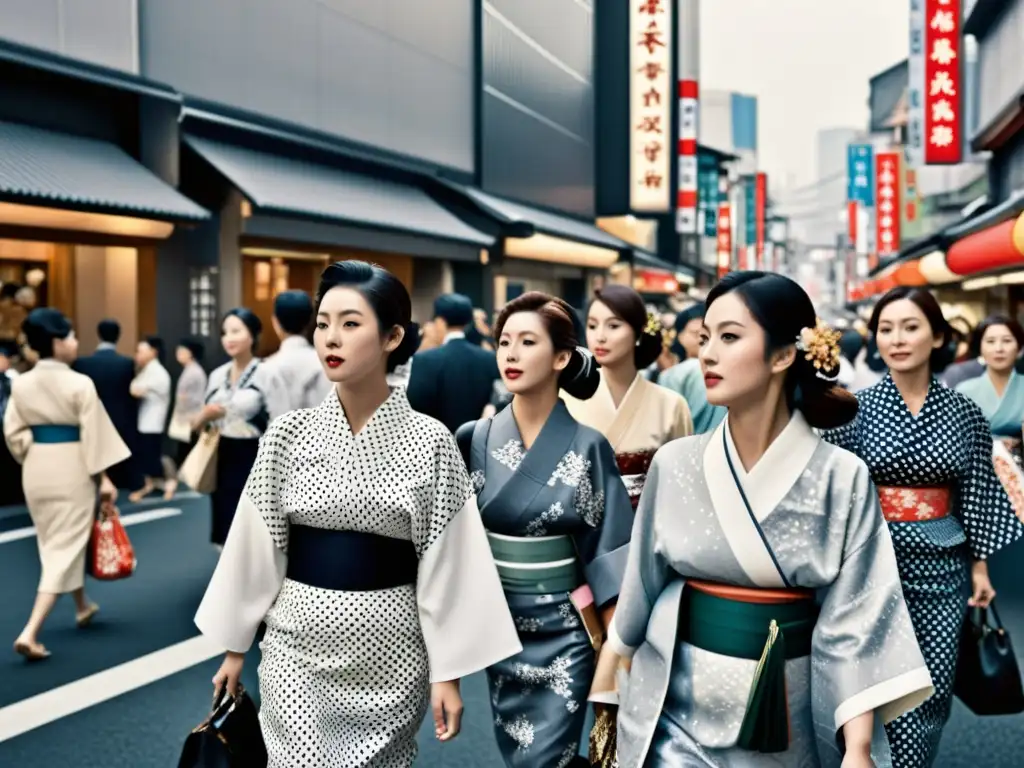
<point x="294" y="188"/>
<point x="59" y="181"/>
<point x="532" y="233"/>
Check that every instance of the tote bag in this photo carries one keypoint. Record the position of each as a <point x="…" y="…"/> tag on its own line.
<point x="199" y="470"/>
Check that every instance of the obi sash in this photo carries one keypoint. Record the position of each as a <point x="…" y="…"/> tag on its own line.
<point x="349" y="561"/>
<point x="55" y="433"/>
<point x="633" y="468"/>
<point x="536" y="565"/>
<point x="769" y="626"/>
<point x="902" y="504"/>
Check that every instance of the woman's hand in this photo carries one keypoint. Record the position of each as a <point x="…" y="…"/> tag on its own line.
<point x="210" y="412"/>
<point x="108" y="491"/>
<point x="858" y="758"/>
<point x="446" y="701"/>
<point x="229" y="675"/>
<point x="983" y="592"/>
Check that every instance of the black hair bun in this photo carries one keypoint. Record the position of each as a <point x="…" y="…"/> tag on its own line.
<point x="647" y="350"/>
<point x="581" y="377"/>
<point x="824" y="404"/>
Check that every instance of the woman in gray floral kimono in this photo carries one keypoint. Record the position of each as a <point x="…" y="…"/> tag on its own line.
<point x="558" y="519"/>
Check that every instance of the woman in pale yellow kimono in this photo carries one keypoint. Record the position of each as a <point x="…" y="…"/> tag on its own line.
<point x="55" y="421"/>
<point x="635" y="415"/>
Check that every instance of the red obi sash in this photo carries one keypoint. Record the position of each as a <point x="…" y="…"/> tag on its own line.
<point x="633" y="469"/>
<point x="914" y="505"/>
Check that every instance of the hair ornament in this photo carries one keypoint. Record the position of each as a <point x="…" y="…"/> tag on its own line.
<point x="653" y="325"/>
<point x="820" y="346"/>
<point x="588" y="363"/>
<point x="668" y="337"/>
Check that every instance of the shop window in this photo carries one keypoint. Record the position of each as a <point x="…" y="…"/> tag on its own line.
<point x="202" y="290"/>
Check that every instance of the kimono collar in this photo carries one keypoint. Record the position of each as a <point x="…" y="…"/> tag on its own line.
<point x="635" y="390"/>
<point x="49" y="362"/>
<point x="333" y="414"/>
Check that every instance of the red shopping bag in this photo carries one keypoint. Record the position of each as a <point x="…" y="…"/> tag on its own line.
<point x="111" y="555"/>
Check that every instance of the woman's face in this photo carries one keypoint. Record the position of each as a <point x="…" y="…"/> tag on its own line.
<point x="732" y="354"/>
<point x="689" y="338"/>
<point x="144" y="353"/>
<point x="348" y="338"/>
<point x="66" y="349"/>
<point x="905" y="339"/>
<point x="235" y="337"/>
<point x="526" y="358"/>
<point x="609" y="337"/>
<point x="999" y="348"/>
<point x="183" y="355"/>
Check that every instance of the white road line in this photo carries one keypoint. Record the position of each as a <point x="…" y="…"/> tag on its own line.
<point x="37" y="711"/>
<point x="127" y="520"/>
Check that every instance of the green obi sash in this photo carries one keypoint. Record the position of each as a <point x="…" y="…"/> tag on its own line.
<point x="55" y="433"/>
<point x="768" y="633"/>
<point x="536" y="565"/>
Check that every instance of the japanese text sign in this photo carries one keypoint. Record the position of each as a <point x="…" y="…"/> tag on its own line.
<point x="860" y="174"/>
<point x="914" y="140"/>
<point x="943" y="131"/>
<point x="724" y="239"/>
<point x="887" y="208"/>
<point x="761" y="204"/>
<point x="650" y="108"/>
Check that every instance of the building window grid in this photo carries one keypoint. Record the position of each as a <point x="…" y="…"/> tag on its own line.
<point x="202" y="290"/>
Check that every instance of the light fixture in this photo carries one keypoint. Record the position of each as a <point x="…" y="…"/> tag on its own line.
<point x="979" y="283"/>
<point x="933" y="268"/>
<point x="276" y="253"/>
<point x="557" y="250"/>
<point x="1012" y="278"/>
<point x="13" y="214"/>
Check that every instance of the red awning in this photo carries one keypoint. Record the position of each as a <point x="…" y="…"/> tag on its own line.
<point x="654" y="281"/>
<point x="990" y="249"/>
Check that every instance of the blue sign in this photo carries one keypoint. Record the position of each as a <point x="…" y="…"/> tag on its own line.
<point x="860" y="174"/>
<point x="707" y="183"/>
<point x="750" y="209"/>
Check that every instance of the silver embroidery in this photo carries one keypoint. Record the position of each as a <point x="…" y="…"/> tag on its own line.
<point x="555" y="676"/>
<point x="589" y="504"/>
<point x="476" y="477"/>
<point x="570" y="470"/>
<point x="511" y="454"/>
<point x="520" y="729"/>
<point x="528" y="624"/>
<point x="569" y="616"/>
<point x="568" y="755"/>
<point x="537" y="527"/>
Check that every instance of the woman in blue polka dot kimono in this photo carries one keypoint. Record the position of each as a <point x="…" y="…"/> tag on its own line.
<point x="929" y="450"/>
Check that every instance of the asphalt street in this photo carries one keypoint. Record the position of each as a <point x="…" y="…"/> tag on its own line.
<point x="125" y="692"/>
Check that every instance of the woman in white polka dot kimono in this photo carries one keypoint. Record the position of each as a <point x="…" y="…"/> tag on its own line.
<point x="929" y="450"/>
<point x="559" y="519"/>
<point x="358" y="542"/>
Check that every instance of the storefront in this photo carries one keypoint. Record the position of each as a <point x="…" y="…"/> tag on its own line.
<point x="288" y="205"/>
<point x="86" y="192"/>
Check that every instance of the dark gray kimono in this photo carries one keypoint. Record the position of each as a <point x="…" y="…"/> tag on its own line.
<point x="567" y="484"/>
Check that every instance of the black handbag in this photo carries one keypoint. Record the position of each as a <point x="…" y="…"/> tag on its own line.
<point x="987" y="677"/>
<point x="230" y="737"/>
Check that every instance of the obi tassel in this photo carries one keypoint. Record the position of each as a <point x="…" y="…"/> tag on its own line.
<point x="765" y="726"/>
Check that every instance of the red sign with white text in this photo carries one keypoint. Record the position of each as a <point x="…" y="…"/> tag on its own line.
<point x="851" y="223"/>
<point x="943" y="129"/>
<point x="887" y="203"/>
<point x="760" y="208"/>
<point x="724" y="240"/>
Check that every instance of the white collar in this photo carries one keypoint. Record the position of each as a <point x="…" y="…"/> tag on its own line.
<point x="451" y="335"/>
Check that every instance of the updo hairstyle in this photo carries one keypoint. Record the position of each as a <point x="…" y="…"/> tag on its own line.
<point x="627" y="305"/>
<point x="783" y="309"/>
<point x="580" y="378"/>
<point x="942" y="356"/>
<point x="386" y="296"/>
<point x="250" y="320"/>
<point x="41" y="327"/>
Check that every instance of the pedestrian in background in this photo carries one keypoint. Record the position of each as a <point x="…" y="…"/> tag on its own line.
<point x="152" y="387"/>
<point x="56" y="427"/>
<point x="295" y="361"/>
<point x="188" y="403"/>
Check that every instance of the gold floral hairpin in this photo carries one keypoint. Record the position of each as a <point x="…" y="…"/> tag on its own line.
<point x="668" y="337"/>
<point x="820" y="346"/>
<point x="653" y="325"/>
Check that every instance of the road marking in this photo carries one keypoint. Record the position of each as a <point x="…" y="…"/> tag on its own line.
<point x="44" y="708"/>
<point x="127" y="520"/>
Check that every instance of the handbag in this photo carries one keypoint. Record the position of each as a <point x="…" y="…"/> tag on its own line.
<point x="179" y="429"/>
<point x="987" y="677"/>
<point x="230" y="736"/>
<point x="110" y="555"/>
<point x="199" y="469"/>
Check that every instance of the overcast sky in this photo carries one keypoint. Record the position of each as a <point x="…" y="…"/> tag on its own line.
<point x="807" y="61"/>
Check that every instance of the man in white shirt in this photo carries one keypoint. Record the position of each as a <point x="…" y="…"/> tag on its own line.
<point x="296" y="361"/>
<point x="152" y="387"/>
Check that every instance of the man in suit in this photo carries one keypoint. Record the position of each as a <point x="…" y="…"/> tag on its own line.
<point x="112" y="373"/>
<point x="453" y="382"/>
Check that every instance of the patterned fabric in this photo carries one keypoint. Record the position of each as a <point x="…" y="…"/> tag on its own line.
<point x="909" y="505"/>
<point x="948" y="443"/>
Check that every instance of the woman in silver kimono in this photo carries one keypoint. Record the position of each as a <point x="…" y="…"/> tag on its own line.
<point x="558" y="518"/>
<point x="929" y="449"/>
<point x="735" y="662"/>
<point x="358" y="542"/>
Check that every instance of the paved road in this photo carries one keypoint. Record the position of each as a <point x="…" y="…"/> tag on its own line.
<point x="144" y="725"/>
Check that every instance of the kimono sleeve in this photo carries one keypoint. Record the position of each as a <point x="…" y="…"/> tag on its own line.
<point x="17" y="431"/>
<point x="602" y="501"/>
<point x="682" y="421"/>
<point x="864" y="654"/>
<point x="846" y="436"/>
<point x="465" y="619"/>
<point x="102" y="446"/>
<point x="984" y="508"/>
<point x="252" y="566"/>
<point x="647" y="571"/>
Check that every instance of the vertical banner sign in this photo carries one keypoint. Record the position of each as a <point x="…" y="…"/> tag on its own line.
<point x="650" y="106"/>
<point x="887" y="210"/>
<point x="851" y="223"/>
<point x="914" y="143"/>
<point x="943" y="132"/>
<point x="724" y="240"/>
<point x="911" y="194"/>
<point x="750" y="225"/>
<point x="860" y="174"/>
<point x="686" y="213"/>
<point x="761" y="203"/>
<point x="707" y="193"/>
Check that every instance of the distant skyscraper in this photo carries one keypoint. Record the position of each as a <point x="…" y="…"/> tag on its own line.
<point x="728" y="121"/>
